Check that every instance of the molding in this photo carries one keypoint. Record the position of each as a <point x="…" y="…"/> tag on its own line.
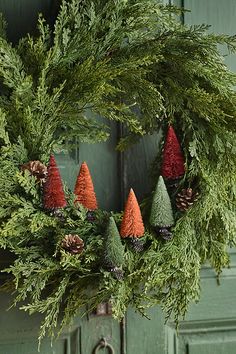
<point x="199" y="333"/>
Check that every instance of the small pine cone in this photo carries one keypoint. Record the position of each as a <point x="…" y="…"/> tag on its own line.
<point x="173" y="183"/>
<point x="73" y="244"/>
<point x="118" y="273"/>
<point x="186" y="198"/>
<point x="91" y="217"/>
<point x="36" y="169"/>
<point x="110" y="52"/>
<point x="165" y="233"/>
<point x="58" y="212"/>
<point x="137" y="244"/>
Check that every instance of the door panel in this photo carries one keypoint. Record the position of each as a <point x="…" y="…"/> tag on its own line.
<point x="96" y="328"/>
<point x="19" y="332"/>
<point x="206" y="341"/>
<point x="219" y="14"/>
<point x="210" y="325"/>
<point x="31" y="347"/>
<point x="216" y="312"/>
<point x="145" y="336"/>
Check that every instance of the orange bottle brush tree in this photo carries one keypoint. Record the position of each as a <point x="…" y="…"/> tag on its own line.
<point x="132" y="226"/>
<point x="84" y="191"/>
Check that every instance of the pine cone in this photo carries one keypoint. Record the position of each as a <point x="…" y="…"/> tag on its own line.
<point x="91" y="217"/>
<point x="137" y="244"/>
<point x="37" y="169"/>
<point x="165" y="233"/>
<point x="73" y="244"/>
<point x="118" y="273"/>
<point x="58" y="213"/>
<point x="186" y="198"/>
<point x="172" y="184"/>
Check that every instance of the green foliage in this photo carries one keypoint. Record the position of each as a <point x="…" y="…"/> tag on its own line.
<point x="161" y="210"/>
<point x="114" y="250"/>
<point x="132" y="62"/>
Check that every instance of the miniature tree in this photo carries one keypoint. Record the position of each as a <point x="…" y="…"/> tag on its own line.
<point x="84" y="189"/>
<point x="113" y="249"/>
<point x="132" y="222"/>
<point x="53" y="193"/>
<point x="161" y="217"/>
<point x="173" y="160"/>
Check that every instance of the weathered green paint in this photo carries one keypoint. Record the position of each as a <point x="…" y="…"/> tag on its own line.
<point x="210" y="326"/>
<point x="146" y="336"/>
<point x="219" y="14"/>
<point x="103" y="161"/>
<point x="137" y="162"/>
<point x="22" y="15"/>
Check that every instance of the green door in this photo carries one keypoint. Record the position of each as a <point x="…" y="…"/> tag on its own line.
<point x="210" y="326"/>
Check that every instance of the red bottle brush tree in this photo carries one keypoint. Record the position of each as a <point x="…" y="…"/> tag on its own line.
<point x="84" y="189"/>
<point x="132" y="222"/>
<point x="53" y="193"/>
<point x="173" y="160"/>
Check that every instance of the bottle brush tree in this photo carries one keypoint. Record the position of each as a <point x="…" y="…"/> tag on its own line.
<point x="161" y="210"/>
<point x="84" y="189"/>
<point x="173" y="160"/>
<point x="53" y="192"/>
<point x="132" y="222"/>
<point x="113" y="248"/>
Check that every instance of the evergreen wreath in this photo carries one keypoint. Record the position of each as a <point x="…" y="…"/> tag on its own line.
<point x="133" y="62"/>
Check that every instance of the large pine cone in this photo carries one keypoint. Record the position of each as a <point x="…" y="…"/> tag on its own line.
<point x="186" y="198"/>
<point x="36" y="169"/>
<point x="73" y="244"/>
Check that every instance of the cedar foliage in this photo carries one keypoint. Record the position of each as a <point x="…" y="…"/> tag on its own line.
<point x="132" y="222"/>
<point x="132" y="62"/>
<point x="84" y="189"/>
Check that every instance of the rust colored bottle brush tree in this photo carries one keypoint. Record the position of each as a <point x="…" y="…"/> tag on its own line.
<point x="53" y="192"/>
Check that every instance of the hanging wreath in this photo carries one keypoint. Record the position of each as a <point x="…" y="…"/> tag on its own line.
<point x="132" y="62"/>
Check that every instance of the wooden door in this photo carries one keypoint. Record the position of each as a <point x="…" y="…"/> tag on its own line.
<point x="210" y="326"/>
